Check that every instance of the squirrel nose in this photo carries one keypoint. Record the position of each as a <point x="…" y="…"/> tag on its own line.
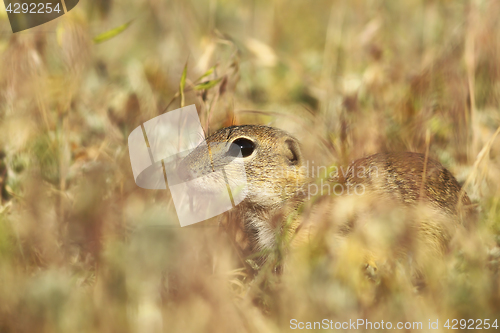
<point x="184" y="173"/>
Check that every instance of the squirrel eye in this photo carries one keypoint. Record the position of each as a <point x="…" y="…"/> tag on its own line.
<point x="245" y="145"/>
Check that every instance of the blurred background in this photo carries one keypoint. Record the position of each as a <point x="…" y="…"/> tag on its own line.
<point x="82" y="248"/>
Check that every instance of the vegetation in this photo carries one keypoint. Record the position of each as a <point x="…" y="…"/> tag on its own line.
<point x="83" y="249"/>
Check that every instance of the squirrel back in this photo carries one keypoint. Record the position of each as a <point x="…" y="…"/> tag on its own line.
<point x="278" y="184"/>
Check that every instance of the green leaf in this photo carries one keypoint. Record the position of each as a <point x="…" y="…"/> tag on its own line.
<point x="207" y="73"/>
<point x="207" y="84"/>
<point x="182" y="84"/>
<point x="111" y="33"/>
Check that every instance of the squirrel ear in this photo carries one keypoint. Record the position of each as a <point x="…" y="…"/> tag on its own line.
<point x="292" y="152"/>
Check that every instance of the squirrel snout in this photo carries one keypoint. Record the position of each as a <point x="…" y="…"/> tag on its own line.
<point x="184" y="173"/>
<point x="187" y="171"/>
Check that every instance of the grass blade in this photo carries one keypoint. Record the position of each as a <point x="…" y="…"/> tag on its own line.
<point x="207" y="73"/>
<point x="182" y="84"/>
<point x="207" y="84"/>
<point x="111" y="33"/>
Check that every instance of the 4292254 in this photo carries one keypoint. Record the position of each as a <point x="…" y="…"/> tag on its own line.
<point x="471" y="324"/>
<point x="32" y="8"/>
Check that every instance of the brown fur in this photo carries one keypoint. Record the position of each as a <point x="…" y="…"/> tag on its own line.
<point x="407" y="178"/>
<point x="277" y="187"/>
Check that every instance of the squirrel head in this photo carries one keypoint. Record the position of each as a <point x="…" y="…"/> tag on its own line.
<point x="273" y="164"/>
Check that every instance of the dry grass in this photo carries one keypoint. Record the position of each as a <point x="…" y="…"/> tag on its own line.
<point x="83" y="249"/>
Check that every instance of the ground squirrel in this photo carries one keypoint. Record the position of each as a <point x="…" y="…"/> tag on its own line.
<point x="278" y="181"/>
